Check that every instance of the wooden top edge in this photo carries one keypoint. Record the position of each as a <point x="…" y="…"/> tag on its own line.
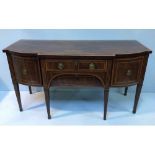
<point x="43" y="47"/>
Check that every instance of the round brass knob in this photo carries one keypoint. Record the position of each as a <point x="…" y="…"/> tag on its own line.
<point x="91" y="66"/>
<point x="60" y="66"/>
<point x="24" y="71"/>
<point x="129" y="72"/>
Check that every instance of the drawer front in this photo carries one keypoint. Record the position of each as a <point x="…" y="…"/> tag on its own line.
<point x="92" y="65"/>
<point x="126" y="71"/>
<point x="27" y="70"/>
<point x="60" y="65"/>
<point x="74" y="70"/>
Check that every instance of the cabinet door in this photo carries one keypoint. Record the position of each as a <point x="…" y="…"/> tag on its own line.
<point x="126" y="71"/>
<point x="27" y="70"/>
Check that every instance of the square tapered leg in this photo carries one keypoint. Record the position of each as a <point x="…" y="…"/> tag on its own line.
<point x="106" y="95"/>
<point x="47" y="100"/>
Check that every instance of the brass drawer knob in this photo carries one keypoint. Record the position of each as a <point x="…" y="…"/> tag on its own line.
<point x="91" y="66"/>
<point x="24" y="71"/>
<point x="60" y="66"/>
<point x="129" y="72"/>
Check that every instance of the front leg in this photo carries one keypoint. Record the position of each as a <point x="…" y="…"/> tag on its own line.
<point x="17" y="92"/>
<point x="14" y="81"/>
<point x="47" y="100"/>
<point x="106" y="95"/>
<point x="137" y="95"/>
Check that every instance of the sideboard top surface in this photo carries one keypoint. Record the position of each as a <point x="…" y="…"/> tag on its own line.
<point x="77" y="47"/>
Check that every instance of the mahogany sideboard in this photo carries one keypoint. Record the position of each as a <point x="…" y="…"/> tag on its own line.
<point x="117" y="63"/>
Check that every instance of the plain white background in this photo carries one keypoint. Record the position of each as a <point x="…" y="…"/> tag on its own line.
<point x="77" y="14"/>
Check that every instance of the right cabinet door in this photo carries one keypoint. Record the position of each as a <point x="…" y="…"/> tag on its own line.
<point x="126" y="71"/>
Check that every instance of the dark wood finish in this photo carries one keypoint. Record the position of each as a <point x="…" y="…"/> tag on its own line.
<point x="47" y="99"/>
<point x="27" y="70"/>
<point x="125" y="91"/>
<point x="92" y="65"/>
<point x="77" y="63"/>
<point x="138" y="91"/>
<point x="140" y="84"/>
<point x="17" y="92"/>
<point x="60" y="65"/>
<point x="50" y="75"/>
<point x="14" y="81"/>
<point x="127" y="71"/>
<point x="77" y="48"/>
<point x="30" y="89"/>
<point x="106" y="95"/>
<point x="78" y="81"/>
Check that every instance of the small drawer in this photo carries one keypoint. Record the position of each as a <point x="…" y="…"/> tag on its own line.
<point x="27" y="70"/>
<point x="60" y="65"/>
<point x="126" y="71"/>
<point x="92" y="65"/>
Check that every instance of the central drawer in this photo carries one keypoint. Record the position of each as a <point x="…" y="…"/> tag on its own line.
<point x="92" y="65"/>
<point x="60" y="65"/>
<point x="76" y="65"/>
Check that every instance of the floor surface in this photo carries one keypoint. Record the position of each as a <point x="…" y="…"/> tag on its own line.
<point x="76" y="107"/>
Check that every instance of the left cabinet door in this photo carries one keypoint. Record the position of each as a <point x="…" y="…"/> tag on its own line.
<point x="27" y="70"/>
